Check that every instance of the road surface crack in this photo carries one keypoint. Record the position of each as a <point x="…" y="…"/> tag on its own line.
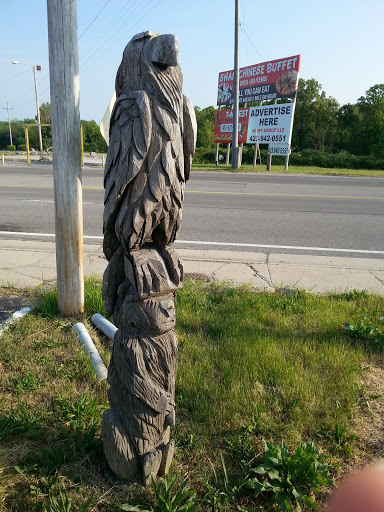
<point x="257" y="274"/>
<point x="377" y="278"/>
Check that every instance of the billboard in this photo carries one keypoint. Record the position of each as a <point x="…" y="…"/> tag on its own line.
<point x="224" y="125"/>
<point x="261" y="82"/>
<point x="267" y="124"/>
<point x="270" y="123"/>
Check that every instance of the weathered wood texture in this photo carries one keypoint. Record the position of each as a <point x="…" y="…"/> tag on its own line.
<point x="65" y="113"/>
<point x="152" y="140"/>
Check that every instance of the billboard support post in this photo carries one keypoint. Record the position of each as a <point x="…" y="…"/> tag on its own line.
<point x="217" y="148"/>
<point x="235" y="135"/>
<point x="227" y="153"/>
<point x="269" y="156"/>
<point x="286" y="162"/>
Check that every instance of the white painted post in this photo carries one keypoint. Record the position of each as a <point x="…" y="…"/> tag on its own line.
<point x="227" y="153"/>
<point x="286" y="162"/>
<point x="2" y="158"/>
<point x="66" y="149"/>
<point x="228" y="148"/>
<point x="217" y="146"/>
<point x="269" y="156"/>
<point x="257" y="147"/>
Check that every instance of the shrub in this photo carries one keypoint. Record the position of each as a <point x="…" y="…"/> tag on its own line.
<point x="291" y="479"/>
<point x="22" y="147"/>
<point x="11" y="147"/>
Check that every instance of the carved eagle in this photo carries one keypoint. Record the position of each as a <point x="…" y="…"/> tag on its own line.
<point x="152" y="141"/>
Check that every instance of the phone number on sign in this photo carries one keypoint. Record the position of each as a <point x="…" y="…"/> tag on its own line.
<point x="278" y="151"/>
<point x="268" y="138"/>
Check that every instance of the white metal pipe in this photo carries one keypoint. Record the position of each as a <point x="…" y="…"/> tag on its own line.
<point x="105" y="326"/>
<point x="91" y="351"/>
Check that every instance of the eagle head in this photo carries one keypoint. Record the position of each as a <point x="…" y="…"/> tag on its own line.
<point x="151" y="63"/>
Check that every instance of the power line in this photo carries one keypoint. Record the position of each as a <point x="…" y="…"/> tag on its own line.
<point x="241" y="26"/>
<point x="95" y="18"/>
<point x="107" y="29"/>
<point x="250" y="40"/>
<point x="138" y="9"/>
<point x="14" y="76"/>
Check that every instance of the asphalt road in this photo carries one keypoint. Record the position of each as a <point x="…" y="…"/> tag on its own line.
<point x="255" y="212"/>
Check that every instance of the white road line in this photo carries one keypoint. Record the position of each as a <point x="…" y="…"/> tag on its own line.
<point x="221" y="244"/>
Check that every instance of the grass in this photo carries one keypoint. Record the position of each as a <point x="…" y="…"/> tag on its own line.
<point x="252" y="366"/>
<point x="293" y="169"/>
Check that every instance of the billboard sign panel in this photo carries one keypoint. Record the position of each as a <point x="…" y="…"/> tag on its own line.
<point x="270" y="123"/>
<point x="266" y="124"/>
<point x="261" y="82"/>
<point x="224" y="125"/>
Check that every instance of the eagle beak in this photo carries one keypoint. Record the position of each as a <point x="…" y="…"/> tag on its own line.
<point x="166" y="50"/>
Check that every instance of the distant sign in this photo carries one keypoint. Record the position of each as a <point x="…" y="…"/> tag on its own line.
<point x="261" y="82"/>
<point x="224" y="125"/>
<point x="270" y="123"/>
<point x="276" y="148"/>
<point x="265" y="125"/>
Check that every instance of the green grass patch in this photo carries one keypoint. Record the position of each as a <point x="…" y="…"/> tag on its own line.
<point x="252" y="367"/>
<point x="293" y="169"/>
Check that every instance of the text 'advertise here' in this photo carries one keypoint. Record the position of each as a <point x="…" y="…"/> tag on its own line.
<point x="264" y="125"/>
<point x="261" y="82"/>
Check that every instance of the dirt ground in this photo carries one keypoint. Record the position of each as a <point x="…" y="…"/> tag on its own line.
<point x="12" y="300"/>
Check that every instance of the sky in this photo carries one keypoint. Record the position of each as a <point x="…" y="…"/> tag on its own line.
<point x="341" y="44"/>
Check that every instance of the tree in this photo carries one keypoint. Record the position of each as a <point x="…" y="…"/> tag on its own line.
<point x="350" y="129"/>
<point x="93" y="140"/>
<point x="45" y="118"/>
<point x="315" y="124"/>
<point x="371" y="107"/>
<point x="205" y="119"/>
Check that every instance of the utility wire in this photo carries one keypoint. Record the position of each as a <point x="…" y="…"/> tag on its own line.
<point x="117" y="32"/>
<point x="250" y="40"/>
<point x="107" y="29"/>
<point x="14" y="76"/>
<point x="95" y="18"/>
<point x="242" y="27"/>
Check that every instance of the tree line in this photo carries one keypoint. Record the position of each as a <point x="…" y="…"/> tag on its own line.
<point x="323" y="130"/>
<point x="93" y="140"/>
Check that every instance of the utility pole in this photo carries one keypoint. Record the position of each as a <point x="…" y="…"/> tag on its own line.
<point x="235" y="119"/>
<point x="38" y="110"/>
<point x="66" y="148"/>
<point x="9" y="122"/>
<point x="38" y="68"/>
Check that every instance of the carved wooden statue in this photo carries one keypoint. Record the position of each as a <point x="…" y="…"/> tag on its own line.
<point x="151" y="145"/>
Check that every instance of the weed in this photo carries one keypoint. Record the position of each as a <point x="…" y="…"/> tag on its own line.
<point x="84" y="412"/>
<point x="65" y="503"/>
<point x="26" y="382"/>
<point x="290" y="300"/>
<point x="354" y="295"/>
<point x="93" y="302"/>
<point x="339" y="436"/>
<point x="243" y="446"/>
<point x="222" y="492"/>
<point x="167" y="498"/>
<point x="46" y="305"/>
<point x="291" y="479"/>
<point x="366" y="331"/>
